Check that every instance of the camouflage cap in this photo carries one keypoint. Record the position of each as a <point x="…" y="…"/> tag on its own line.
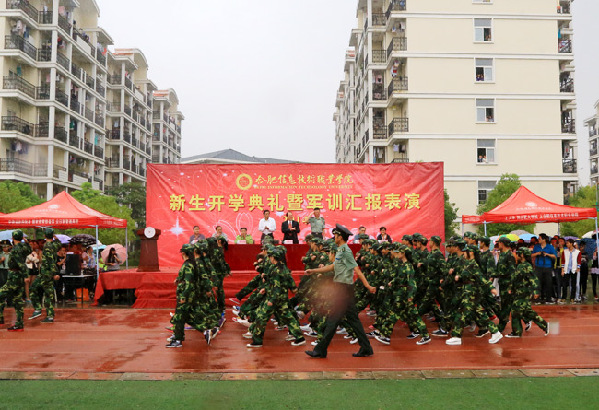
<point x="422" y="239"/>
<point x="404" y="249"/>
<point x="276" y="253"/>
<point x="470" y="235"/>
<point x="201" y="246"/>
<point x="363" y="236"/>
<point x="317" y="241"/>
<point x="186" y="248"/>
<point x="308" y="238"/>
<point x="524" y="251"/>
<point x="377" y="246"/>
<point x="17" y="235"/>
<point x="504" y="240"/>
<point x="406" y="238"/>
<point x="436" y="239"/>
<point x="416" y="235"/>
<point x="460" y="243"/>
<point x="485" y="240"/>
<point x="386" y="245"/>
<point x="49" y="233"/>
<point x="211" y="240"/>
<point x="455" y="238"/>
<point x="469" y="248"/>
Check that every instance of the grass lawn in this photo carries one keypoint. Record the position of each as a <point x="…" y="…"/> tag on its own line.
<point x="529" y="393"/>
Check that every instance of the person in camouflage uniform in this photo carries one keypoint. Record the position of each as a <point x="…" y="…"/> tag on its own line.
<point x="488" y="269"/>
<point x="308" y="283"/>
<point x="467" y="277"/>
<point x="43" y="285"/>
<point x="448" y="286"/>
<point x="364" y="260"/>
<point x="13" y="290"/>
<point x="524" y="284"/>
<point x="403" y="288"/>
<point x="205" y="314"/>
<point x="420" y="258"/>
<point x="320" y="298"/>
<point x="278" y="283"/>
<point x="222" y="269"/>
<point x="383" y="299"/>
<point x="435" y="267"/>
<point x="506" y="266"/>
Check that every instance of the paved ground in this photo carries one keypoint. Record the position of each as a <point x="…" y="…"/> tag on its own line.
<point x="94" y="343"/>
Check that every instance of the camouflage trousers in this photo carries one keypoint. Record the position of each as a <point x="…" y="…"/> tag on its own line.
<point x="284" y="317"/>
<point x="522" y="311"/>
<point x="13" y="291"/>
<point x="429" y="304"/>
<point x="220" y="292"/>
<point x="470" y="310"/>
<point x="43" y="287"/>
<point x="304" y="292"/>
<point x="205" y="314"/>
<point x="248" y="308"/>
<point x="182" y="315"/>
<point x="506" y="303"/>
<point x="402" y="309"/>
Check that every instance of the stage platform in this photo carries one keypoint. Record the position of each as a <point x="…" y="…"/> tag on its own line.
<point x="99" y="343"/>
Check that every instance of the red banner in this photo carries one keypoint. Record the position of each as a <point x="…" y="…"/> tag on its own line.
<point x="405" y="198"/>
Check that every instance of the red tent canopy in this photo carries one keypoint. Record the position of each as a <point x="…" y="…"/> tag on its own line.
<point x="62" y="212"/>
<point x="524" y="207"/>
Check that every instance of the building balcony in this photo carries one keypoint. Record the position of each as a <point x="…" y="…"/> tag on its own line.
<point x="63" y="61"/>
<point x="593" y="150"/>
<point x="88" y="114"/>
<point x="64" y="24"/>
<point x="74" y="141"/>
<point x="592" y="132"/>
<point x="565" y="46"/>
<point x="564" y="7"/>
<point x="127" y="137"/>
<point x="378" y="92"/>
<point x="379" y="132"/>
<point x="14" y="123"/>
<point x="569" y="166"/>
<point x="115" y="80"/>
<point x="44" y="55"/>
<point x="62" y="97"/>
<point x="128" y="83"/>
<point x="127" y="110"/>
<point x="45" y="17"/>
<point x="88" y="147"/>
<point x="98" y="152"/>
<point x="113" y="163"/>
<point x="100" y="56"/>
<point x="127" y="164"/>
<point x="75" y="106"/>
<point x="99" y="119"/>
<point x="400" y="158"/>
<point x="379" y="57"/>
<point x="397" y="44"/>
<point x="114" y="134"/>
<point x="398" y="125"/>
<point x="77" y="71"/>
<point x="569" y="127"/>
<point x="12" y="82"/>
<point x="395" y="5"/>
<point x="14" y="42"/>
<point x="101" y="90"/>
<point x="135" y="142"/>
<point x="379" y="20"/>
<point x="24" y="5"/>
<point x="89" y="81"/>
<point x="566" y="86"/>
<point x="42" y="93"/>
<point x="19" y="166"/>
<point x="397" y="84"/>
<point x="60" y="134"/>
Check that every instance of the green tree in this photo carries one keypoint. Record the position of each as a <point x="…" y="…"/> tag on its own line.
<point x="108" y="206"/>
<point x="507" y="185"/>
<point x="584" y="198"/>
<point x="451" y="214"/>
<point x="132" y="195"/>
<point x="17" y="196"/>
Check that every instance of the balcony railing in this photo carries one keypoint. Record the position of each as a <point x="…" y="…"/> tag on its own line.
<point x="567" y="85"/>
<point x="149" y="149"/>
<point x="592" y="132"/>
<point x="397" y="85"/>
<point x="398" y="125"/>
<point x="569" y="166"/>
<point x="45" y="17"/>
<point x="44" y="55"/>
<point x="135" y="142"/>
<point x="563" y="8"/>
<point x="64" y="24"/>
<point x="63" y="61"/>
<point x="128" y="83"/>
<point x="397" y="44"/>
<point x="60" y="134"/>
<point x="115" y="134"/>
<point x="14" y="42"/>
<point x="74" y="141"/>
<point x="127" y="110"/>
<point x="395" y="5"/>
<point x="565" y="46"/>
<point x="401" y="159"/>
<point x="42" y="130"/>
<point x="378" y="92"/>
<point x="14" y="123"/>
<point x="89" y="114"/>
<point x="113" y="163"/>
<point x="379" y="57"/>
<point x="89" y="81"/>
<point x="75" y="106"/>
<point x="379" y="132"/>
<point x="16" y="165"/>
<point x="13" y="82"/>
<point x="594" y="150"/>
<point x="101" y="90"/>
<point x="62" y="97"/>
<point x="88" y="147"/>
<point x="379" y="19"/>
<point x="126" y="164"/>
<point x="100" y="57"/>
<point x="40" y="170"/>
<point x="42" y="93"/>
<point x="22" y="5"/>
<point x="76" y="71"/>
<point x="569" y="127"/>
<point x="127" y="137"/>
<point x="115" y="80"/>
<point x="99" y="119"/>
<point x="99" y="152"/>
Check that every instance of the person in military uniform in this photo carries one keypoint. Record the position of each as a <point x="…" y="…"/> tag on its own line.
<point x="467" y="279"/>
<point x="506" y="266"/>
<point x="344" y="268"/>
<point x="13" y="290"/>
<point x="403" y="289"/>
<point x="524" y="284"/>
<point x="205" y="314"/>
<point x="276" y="302"/>
<point x="435" y="267"/>
<point x="43" y="285"/>
<point x="222" y="269"/>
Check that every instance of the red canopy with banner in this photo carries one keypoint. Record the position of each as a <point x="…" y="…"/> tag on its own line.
<point x="62" y="212"/>
<point x="405" y="198"/>
<point x="524" y="207"/>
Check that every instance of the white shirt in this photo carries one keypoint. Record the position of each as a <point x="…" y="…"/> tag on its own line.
<point x="267" y="226"/>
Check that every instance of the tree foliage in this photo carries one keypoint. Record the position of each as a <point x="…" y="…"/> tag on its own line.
<point x="507" y="185"/>
<point x="17" y="196"/>
<point x="132" y="195"/>
<point x="451" y="214"/>
<point x="107" y="205"/>
<point x="584" y="198"/>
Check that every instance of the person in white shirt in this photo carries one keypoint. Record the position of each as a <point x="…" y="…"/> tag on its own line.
<point x="267" y="225"/>
<point x="571" y="259"/>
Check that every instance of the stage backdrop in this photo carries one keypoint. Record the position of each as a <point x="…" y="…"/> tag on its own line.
<point x="405" y="198"/>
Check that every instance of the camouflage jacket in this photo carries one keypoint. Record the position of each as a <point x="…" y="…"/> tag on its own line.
<point x="403" y="285"/>
<point x="524" y="281"/>
<point x="506" y="265"/>
<point x="18" y="255"/>
<point x="50" y="257"/>
<point x="487" y="264"/>
<point x="435" y="267"/>
<point x="186" y="281"/>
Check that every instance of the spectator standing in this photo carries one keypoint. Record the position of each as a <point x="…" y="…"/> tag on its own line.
<point x="571" y="258"/>
<point x="316" y="223"/>
<point x="557" y="268"/>
<point x="267" y="225"/>
<point x="290" y="228"/>
<point x="243" y="236"/>
<point x="197" y="236"/>
<point x="584" y="272"/>
<point x="4" y="255"/>
<point x="112" y="261"/>
<point x="544" y="254"/>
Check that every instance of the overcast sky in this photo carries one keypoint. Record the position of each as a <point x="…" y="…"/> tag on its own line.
<point x="261" y="76"/>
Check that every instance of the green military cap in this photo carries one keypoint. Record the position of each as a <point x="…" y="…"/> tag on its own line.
<point x="49" y="233"/>
<point x="470" y="235"/>
<point x="5" y="242"/>
<point x="211" y="240"/>
<point x="281" y="248"/>
<point x="523" y="251"/>
<point x="201" y="246"/>
<point x="422" y="239"/>
<point x="308" y="238"/>
<point x="404" y="249"/>
<point x="485" y="240"/>
<point x="436" y="239"/>
<point x="363" y="236"/>
<point x="377" y="246"/>
<point x="317" y="241"/>
<point x="407" y="238"/>
<point x="17" y="235"/>
<point x="505" y="240"/>
<point x="186" y="248"/>
<point x="455" y="237"/>
<point x="386" y="245"/>
<point x="416" y="235"/>
<point x="460" y="242"/>
<point x="469" y="248"/>
<point x="395" y="246"/>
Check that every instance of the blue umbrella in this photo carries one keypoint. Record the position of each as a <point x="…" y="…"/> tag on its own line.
<point x="63" y="238"/>
<point x="527" y="237"/>
<point x="7" y="235"/>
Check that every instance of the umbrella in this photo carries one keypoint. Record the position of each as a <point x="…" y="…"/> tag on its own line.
<point x="493" y="239"/>
<point x="99" y="246"/>
<point x="527" y="237"/>
<point x="521" y="232"/>
<point x="7" y="235"/>
<point x="589" y="234"/>
<point x="63" y="238"/>
<point x="84" y="239"/>
<point x="574" y="238"/>
<point x="121" y="252"/>
<point x="511" y="237"/>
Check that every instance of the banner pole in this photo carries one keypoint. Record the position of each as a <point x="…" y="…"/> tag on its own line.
<point x="485" y="224"/>
<point x="127" y="246"/>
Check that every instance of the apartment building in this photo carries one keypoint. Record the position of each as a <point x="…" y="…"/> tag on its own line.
<point x="166" y="123"/>
<point x="592" y="124"/>
<point x="72" y="111"/>
<point x="486" y="86"/>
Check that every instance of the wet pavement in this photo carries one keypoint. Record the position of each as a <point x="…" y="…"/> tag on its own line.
<point x="100" y="343"/>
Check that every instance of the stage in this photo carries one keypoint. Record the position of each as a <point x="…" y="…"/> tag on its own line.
<point x="96" y="343"/>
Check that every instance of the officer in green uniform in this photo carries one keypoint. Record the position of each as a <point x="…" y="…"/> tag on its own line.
<point x="344" y="268"/>
<point x="14" y="288"/>
<point x="43" y="285"/>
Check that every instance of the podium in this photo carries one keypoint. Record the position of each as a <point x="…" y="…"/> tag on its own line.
<point x="148" y="259"/>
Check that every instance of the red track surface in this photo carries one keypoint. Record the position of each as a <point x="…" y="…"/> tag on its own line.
<point x="128" y="340"/>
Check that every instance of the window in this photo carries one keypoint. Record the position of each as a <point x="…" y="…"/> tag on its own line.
<point x="485" y="151"/>
<point x="484" y="187"/>
<point x="484" y="69"/>
<point x="483" y="30"/>
<point x="485" y="110"/>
